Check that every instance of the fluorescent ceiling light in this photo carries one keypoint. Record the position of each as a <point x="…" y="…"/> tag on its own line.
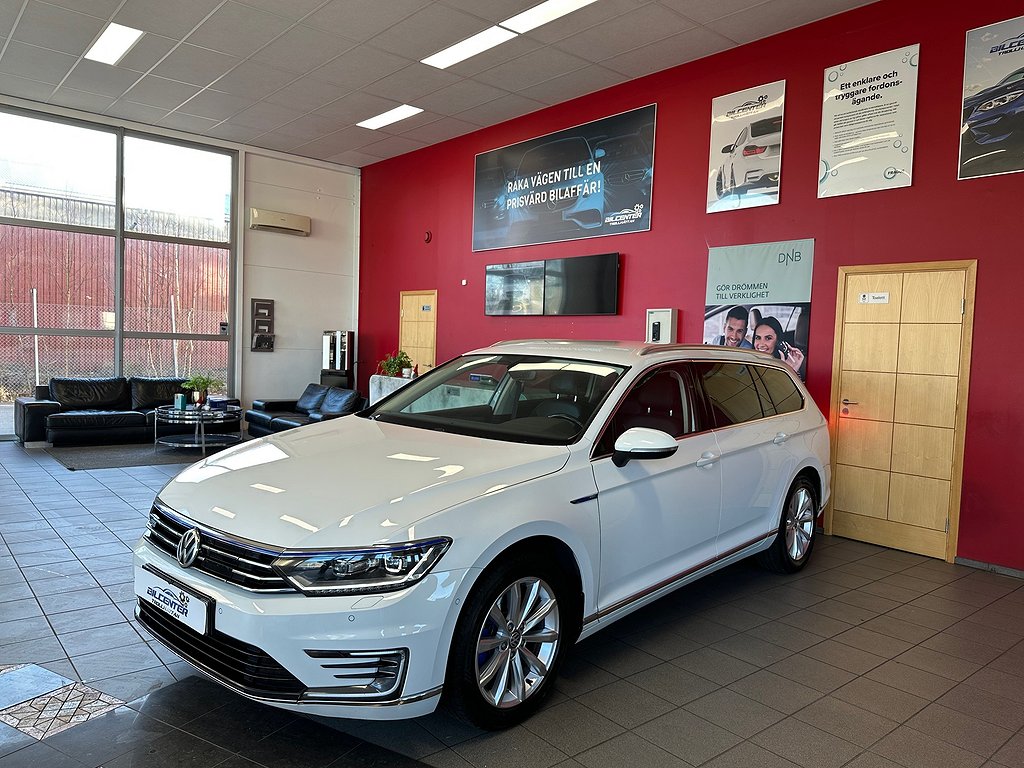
<point x="543" y="13"/>
<point x="478" y="43"/>
<point x="389" y="117"/>
<point x="113" y="44"/>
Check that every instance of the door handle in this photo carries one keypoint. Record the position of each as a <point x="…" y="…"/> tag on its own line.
<point x="780" y="438"/>
<point x="707" y="459"/>
<point x="850" y="402"/>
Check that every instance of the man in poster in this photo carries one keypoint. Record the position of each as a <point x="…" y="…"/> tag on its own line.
<point x="734" y="332"/>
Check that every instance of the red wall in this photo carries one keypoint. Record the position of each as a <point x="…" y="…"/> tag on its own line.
<point x="938" y="218"/>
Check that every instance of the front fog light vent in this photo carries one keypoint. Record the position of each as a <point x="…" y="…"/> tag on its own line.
<point x="363" y="674"/>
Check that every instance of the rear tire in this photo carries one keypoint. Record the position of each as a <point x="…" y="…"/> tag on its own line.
<point x="516" y="626"/>
<point x="795" y="537"/>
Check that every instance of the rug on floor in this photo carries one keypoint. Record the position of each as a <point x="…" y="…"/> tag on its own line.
<point x="115" y="456"/>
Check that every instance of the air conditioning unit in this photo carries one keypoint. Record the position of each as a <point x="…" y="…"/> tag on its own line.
<point x="275" y="221"/>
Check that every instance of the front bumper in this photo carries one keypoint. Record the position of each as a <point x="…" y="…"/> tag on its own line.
<point x="314" y="654"/>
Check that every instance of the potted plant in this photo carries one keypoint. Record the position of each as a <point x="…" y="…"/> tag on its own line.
<point x="394" y="364"/>
<point x="201" y="384"/>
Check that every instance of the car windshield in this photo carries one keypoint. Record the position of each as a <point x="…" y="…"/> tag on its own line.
<point x="1013" y="77"/>
<point x="556" y="154"/>
<point x="765" y="127"/>
<point x="516" y="398"/>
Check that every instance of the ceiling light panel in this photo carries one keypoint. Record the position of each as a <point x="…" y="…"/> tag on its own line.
<point x="543" y="13"/>
<point x="389" y="117"/>
<point x="478" y="43"/>
<point x="113" y="44"/>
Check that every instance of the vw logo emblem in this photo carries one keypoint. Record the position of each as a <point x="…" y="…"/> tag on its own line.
<point x="188" y="547"/>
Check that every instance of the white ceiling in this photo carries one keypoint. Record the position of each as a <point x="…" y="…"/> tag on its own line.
<point x="297" y="75"/>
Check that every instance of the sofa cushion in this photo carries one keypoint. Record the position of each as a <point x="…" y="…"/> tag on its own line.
<point x="263" y="418"/>
<point x="338" y="401"/>
<point x="282" y="423"/>
<point x="95" y="419"/>
<point x="76" y="394"/>
<point x="149" y="393"/>
<point x="311" y="398"/>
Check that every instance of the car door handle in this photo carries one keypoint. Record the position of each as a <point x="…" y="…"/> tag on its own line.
<point x="780" y="438"/>
<point x="707" y="459"/>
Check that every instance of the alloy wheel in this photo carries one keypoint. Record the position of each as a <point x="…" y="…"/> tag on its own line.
<point x="517" y="643"/>
<point x="799" y="523"/>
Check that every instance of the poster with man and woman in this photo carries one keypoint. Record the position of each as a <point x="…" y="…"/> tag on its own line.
<point x="759" y="297"/>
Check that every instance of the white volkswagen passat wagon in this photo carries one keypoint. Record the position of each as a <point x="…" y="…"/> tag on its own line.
<point x="457" y="538"/>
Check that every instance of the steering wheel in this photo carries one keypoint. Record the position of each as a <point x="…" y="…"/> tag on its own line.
<point x="571" y="419"/>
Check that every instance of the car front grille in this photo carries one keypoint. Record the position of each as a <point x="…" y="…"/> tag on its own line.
<point x="230" y="561"/>
<point x="240" y="665"/>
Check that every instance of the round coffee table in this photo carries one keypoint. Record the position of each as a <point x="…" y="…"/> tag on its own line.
<point x="198" y="418"/>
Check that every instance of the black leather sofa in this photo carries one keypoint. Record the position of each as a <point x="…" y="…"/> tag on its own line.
<point x="317" y="403"/>
<point x="84" y="411"/>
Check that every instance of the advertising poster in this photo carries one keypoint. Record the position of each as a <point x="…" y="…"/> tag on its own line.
<point x="992" y="124"/>
<point x="746" y="148"/>
<point x="867" y="123"/>
<point x="759" y="296"/>
<point x="588" y="181"/>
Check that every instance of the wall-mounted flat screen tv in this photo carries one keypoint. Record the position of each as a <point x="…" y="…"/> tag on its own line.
<point x="582" y="285"/>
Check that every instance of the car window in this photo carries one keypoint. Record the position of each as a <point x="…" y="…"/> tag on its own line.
<point x="730" y="391"/>
<point x="765" y="127"/>
<point x="660" y="400"/>
<point x="519" y="398"/>
<point x="781" y="391"/>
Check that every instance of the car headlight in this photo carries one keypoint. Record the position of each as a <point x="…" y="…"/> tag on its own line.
<point x="365" y="570"/>
<point x="1000" y="101"/>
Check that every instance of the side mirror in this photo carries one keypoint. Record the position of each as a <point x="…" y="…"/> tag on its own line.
<point x="599" y="153"/>
<point x="643" y="443"/>
<point x="728" y="148"/>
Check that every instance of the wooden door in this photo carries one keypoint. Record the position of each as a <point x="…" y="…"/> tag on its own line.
<point x="899" y="401"/>
<point x="417" y="327"/>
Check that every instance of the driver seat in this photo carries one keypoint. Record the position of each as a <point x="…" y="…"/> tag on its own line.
<point x="568" y="388"/>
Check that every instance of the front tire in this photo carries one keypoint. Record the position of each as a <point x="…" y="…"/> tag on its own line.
<point x="509" y="643"/>
<point x="794" y="540"/>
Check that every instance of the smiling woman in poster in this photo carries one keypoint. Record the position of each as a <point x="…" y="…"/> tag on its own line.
<point x="768" y="338"/>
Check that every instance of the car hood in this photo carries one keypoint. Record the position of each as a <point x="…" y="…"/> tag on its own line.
<point x="348" y="482"/>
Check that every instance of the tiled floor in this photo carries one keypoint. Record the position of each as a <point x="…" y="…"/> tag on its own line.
<point x="868" y="658"/>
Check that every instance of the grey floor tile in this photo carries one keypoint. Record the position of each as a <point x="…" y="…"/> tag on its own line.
<point x="899" y="629"/>
<point x="790" y="595"/>
<point x="518" y="747"/>
<point x="1011" y="753"/>
<point x="134" y="685"/>
<point x="734" y="617"/>
<point x="868" y="601"/>
<point x="938" y="663"/>
<point x="572" y="727"/>
<point x="578" y="676"/>
<point x="846" y="721"/>
<point x="926" y="618"/>
<point x="19" y="609"/>
<point x="944" y="606"/>
<point x="734" y="712"/>
<point x="447" y="728"/>
<point x="111" y="734"/>
<point x="871" y="760"/>
<point x="844" y="656"/>
<point x="752" y="650"/>
<point x="373" y="756"/>
<point x="687" y="736"/>
<point x="185" y="701"/>
<point x="911" y="679"/>
<point x="28" y="682"/>
<point x="873" y="642"/>
<point x="405" y="737"/>
<point x="713" y="664"/>
<point x="806" y="745"/>
<point x="672" y="683"/>
<point x="819" y="624"/>
<point x="115" y="661"/>
<point x="775" y="691"/>
<point x="11" y="739"/>
<point x="914" y="749"/>
<point x="86" y="618"/>
<point x="881" y="699"/>
<point x="625" y="704"/>
<point x="985" y="706"/>
<point x="812" y="673"/>
<point x="38" y="755"/>
<point x="173" y="750"/>
<point x="851" y="614"/>
<point x="33" y="628"/>
<point x="628" y="749"/>
<point x="72" y="601"/>
<point x="304" y="744"/>
<point x="37" y="651"/>
<point x="986" y="636"/>
<point x="784" y="635"/>
<point x="662" y="643"/>
<point x="619" y="658"/>
<point x="748" y="755"/>
<point x="101" y="638"/>
<point x="960" y="729"/>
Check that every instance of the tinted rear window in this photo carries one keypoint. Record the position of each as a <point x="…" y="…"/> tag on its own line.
<point x="764" y="127"/>
<point x="731" y="392"/>
<point x="784" y="396"/>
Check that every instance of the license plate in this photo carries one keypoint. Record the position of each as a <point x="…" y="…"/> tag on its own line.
<point x="177" y="602"/>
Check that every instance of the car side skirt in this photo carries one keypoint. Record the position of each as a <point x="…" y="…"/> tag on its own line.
<point x="603" y="618"/>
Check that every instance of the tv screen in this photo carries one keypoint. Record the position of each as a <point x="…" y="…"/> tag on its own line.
<point x="583" y="285"/>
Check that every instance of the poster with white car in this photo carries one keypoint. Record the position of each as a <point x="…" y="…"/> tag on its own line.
<point x="867" y="123"/>
<point x="746" y="148"/>
<point x="992" y="123"/>
<point x="759" y="297"/>
<point x="587" y="181"/>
